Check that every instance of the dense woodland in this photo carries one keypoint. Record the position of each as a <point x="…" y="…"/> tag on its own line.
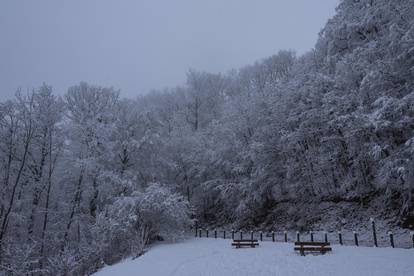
<point x="88" y="177"/>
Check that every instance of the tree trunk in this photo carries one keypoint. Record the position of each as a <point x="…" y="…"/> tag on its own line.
<point x="16" y="183"/>
<point x="94" y="200"/>
<point x="52" y="163"/>
<point x="75" y="206"/>
<point x="37" y="189"/>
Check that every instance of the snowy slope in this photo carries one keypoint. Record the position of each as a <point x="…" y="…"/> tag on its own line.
<point x="216" y="257"/>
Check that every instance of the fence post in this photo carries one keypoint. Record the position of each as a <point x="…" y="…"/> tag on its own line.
<point x="261" y="236"/>
<point x="251" y="235"/>
<point x="340" y="237"/>
<point x="297" y="236"/>
<point x="273" y="236"/>
<point x="241" y="234"/>
<point x="412" y="237"/>
<point x="326" y="236"/>
<point x="356" y="238"/>
<point x="215" y="233"/>
<point x="374" y="232"/>
<point x="207" y="233"/>
<point x="311" y="235"/>
<point x="232" y="234"/>
<point x="391" y="239"/>
<point x="286" y="238"/>
<point x="224" y="234"/>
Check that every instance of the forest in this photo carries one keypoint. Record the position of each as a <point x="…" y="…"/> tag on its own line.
<point x="88" y="177"/>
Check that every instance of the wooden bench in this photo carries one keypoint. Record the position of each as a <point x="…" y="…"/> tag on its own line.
<point x="241" y="243"/>
<point x="321" y="247"/>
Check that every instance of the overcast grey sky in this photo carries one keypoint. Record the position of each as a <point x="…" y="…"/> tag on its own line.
<point x="139" y="45"/>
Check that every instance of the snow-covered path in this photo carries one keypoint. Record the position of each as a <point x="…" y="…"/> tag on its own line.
<point x="216" y="257"/>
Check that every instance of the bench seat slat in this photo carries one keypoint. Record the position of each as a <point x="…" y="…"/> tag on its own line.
<point x="313" y="249"/>
<point x="313" y="243"/>
<point x="245" y="240"/>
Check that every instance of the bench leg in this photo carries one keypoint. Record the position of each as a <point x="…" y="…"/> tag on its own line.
<point x="302" y="251"/>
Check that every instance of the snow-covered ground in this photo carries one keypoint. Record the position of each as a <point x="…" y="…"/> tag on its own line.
<point x="216" y="257"/>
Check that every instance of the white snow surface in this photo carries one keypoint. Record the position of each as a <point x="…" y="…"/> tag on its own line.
<point x="204" y="256"/>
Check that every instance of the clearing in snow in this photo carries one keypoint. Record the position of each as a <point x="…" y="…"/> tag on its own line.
<point x="204" y="256"/>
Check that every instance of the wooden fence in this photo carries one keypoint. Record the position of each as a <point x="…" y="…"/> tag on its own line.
<point x="342" y="238"/>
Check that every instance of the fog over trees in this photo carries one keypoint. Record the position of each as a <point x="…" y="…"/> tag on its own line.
<point x="89" y="178"/>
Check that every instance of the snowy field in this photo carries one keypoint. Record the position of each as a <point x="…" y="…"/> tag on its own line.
<point x="216" y="257"/>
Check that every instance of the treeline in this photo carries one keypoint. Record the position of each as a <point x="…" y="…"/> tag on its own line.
<point x="72" y="195"/>
<point x="89" y="178"/>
